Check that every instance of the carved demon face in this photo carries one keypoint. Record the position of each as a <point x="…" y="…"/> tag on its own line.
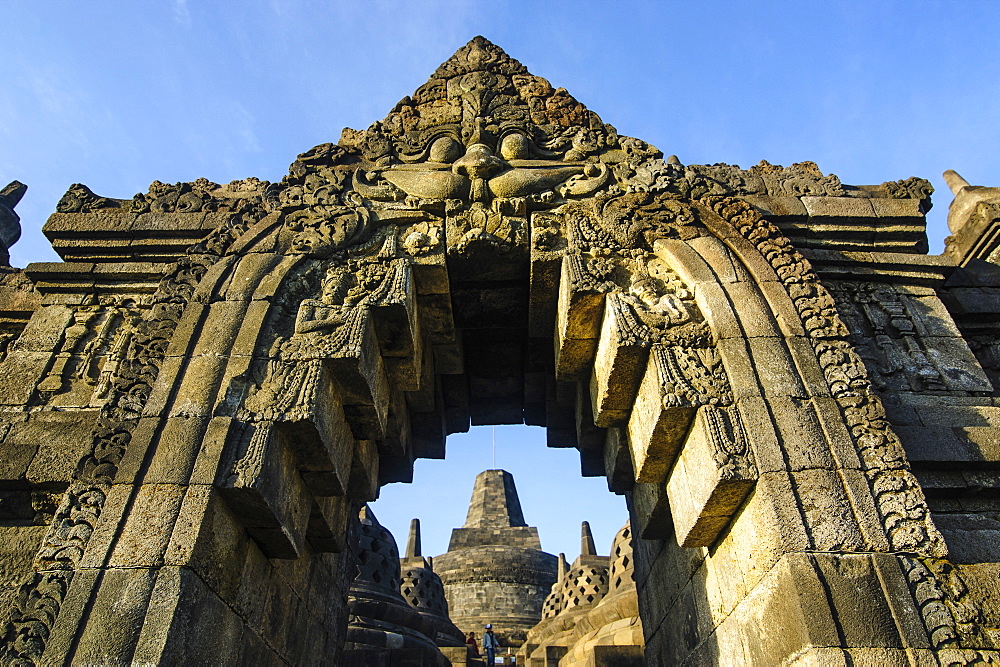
<point x="319" y="231"/>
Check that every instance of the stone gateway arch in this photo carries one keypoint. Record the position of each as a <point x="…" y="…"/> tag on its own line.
<point x="796" y="402"/>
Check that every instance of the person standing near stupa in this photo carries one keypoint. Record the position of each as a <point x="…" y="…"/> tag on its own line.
<point x="490" y="645"/>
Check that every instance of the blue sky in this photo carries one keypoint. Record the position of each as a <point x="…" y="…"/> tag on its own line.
<point x="117" y="94"/>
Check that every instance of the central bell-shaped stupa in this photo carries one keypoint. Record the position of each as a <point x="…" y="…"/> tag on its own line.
<point x="495" y="571"/>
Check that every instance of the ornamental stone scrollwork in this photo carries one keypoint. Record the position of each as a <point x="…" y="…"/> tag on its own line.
<point x="951" y="618"/>
<point x="199" y="195"/>
<point x="40" y="598"/>
<point x="81" y="199"/>
<point x="194" y="197"/>
<point x="898" y="497"/>
<point x="909" y="188"/>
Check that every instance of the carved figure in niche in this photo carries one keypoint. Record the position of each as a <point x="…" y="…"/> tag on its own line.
<point x="287" y="391"/>
<point x="690" y="366"/>
<point x="892" y="346"/>
<point x="117" y="352"/>
<point x="72" y="336"/>
<point x="665" y="304"/>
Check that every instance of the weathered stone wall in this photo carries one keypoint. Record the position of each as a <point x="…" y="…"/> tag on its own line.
<point x="796" y="402"/>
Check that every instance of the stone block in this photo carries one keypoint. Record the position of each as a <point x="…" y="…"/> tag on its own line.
<point x="720" y="258"/>
<point x="619" y="364"/>
<point x="113" y="625"/>
<point x="829" y="519"/>
<point x="578" y="322"/>
<point x="971" y="537"/>
<point x="18" y="546"/>
<point x="786" y="613"/>
<point x="800" y="432"/>
<point x="266" y="492"/>
<point x="713" y="302"/>
<point x="359" y="372"/>
<point x="44" y="331"/>
<point x="959" y="368"/>
<point x="142" y="540"/>
<point x="983" y="442"/>
<point x="62" y="438"/>
<point x="19" y="375"/>
<point x="617" y="461"/>
<point x="655" y="432"/>
<point x="774" y="367"/>
<point x="930" y="317"/>
<point x="327" y="530"/>
<point x="735" y="355"/>
<point x="858" y="601"/>
<point x="169" y="224"/>
<point x="363" y="481"/>
<point x="182" y="614"/>
<point x="650" y="511"/>
<point x="838" y="208"/>
<point x="898" y="209"/>
<point x="925" y="444"/>
<point x="176" y="443"/>
<point x="247" y="274"/>
<point x="225" y="320"/>
<point x="208" y="538"/>
<point x="708" y="483"/>
<point x="778" y="209"/>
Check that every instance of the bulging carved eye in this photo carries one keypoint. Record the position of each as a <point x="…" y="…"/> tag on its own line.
<point x="445" y="149"/>
<point x="515" y="147"/>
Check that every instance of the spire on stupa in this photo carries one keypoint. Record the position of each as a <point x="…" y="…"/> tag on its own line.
<point x="494" y="502"/>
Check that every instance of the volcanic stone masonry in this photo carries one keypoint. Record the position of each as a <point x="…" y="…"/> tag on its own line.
<point x="495" y="570"/>
<point x="797" y="402"/>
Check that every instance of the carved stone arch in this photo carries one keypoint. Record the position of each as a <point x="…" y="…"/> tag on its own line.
<point x="328" y="332"/>
<point x="779" y="387"/>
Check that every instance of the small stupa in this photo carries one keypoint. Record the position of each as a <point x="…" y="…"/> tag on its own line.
<point x="592" y="613"/>
<point x="383" y="629"/>
<point x="422" y="589"/>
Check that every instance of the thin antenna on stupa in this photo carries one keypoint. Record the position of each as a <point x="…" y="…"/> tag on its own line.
<point x="494" y="448"/>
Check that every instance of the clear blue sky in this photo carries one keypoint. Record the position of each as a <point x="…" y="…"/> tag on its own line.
<point x="117" y="94"/>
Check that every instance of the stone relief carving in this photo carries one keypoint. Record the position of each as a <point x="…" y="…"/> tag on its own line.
<point x="887" y="338"/>
<point x="199" y="195"/>
<point x="909" y="188"/>
<point x="80" y="328"/>
<point x="951" y="619"/>
<point x="93" y="345"/>
<point x="40" y="598"/>
<point x="899" y="500"/>
<point x="81" y="199"/>
<point x="288" y="391"/>
<point x="610" y="247"/>
<point x="472" y="156"/>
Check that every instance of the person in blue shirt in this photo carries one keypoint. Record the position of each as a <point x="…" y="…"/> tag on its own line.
<point x="490" y="644"/>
